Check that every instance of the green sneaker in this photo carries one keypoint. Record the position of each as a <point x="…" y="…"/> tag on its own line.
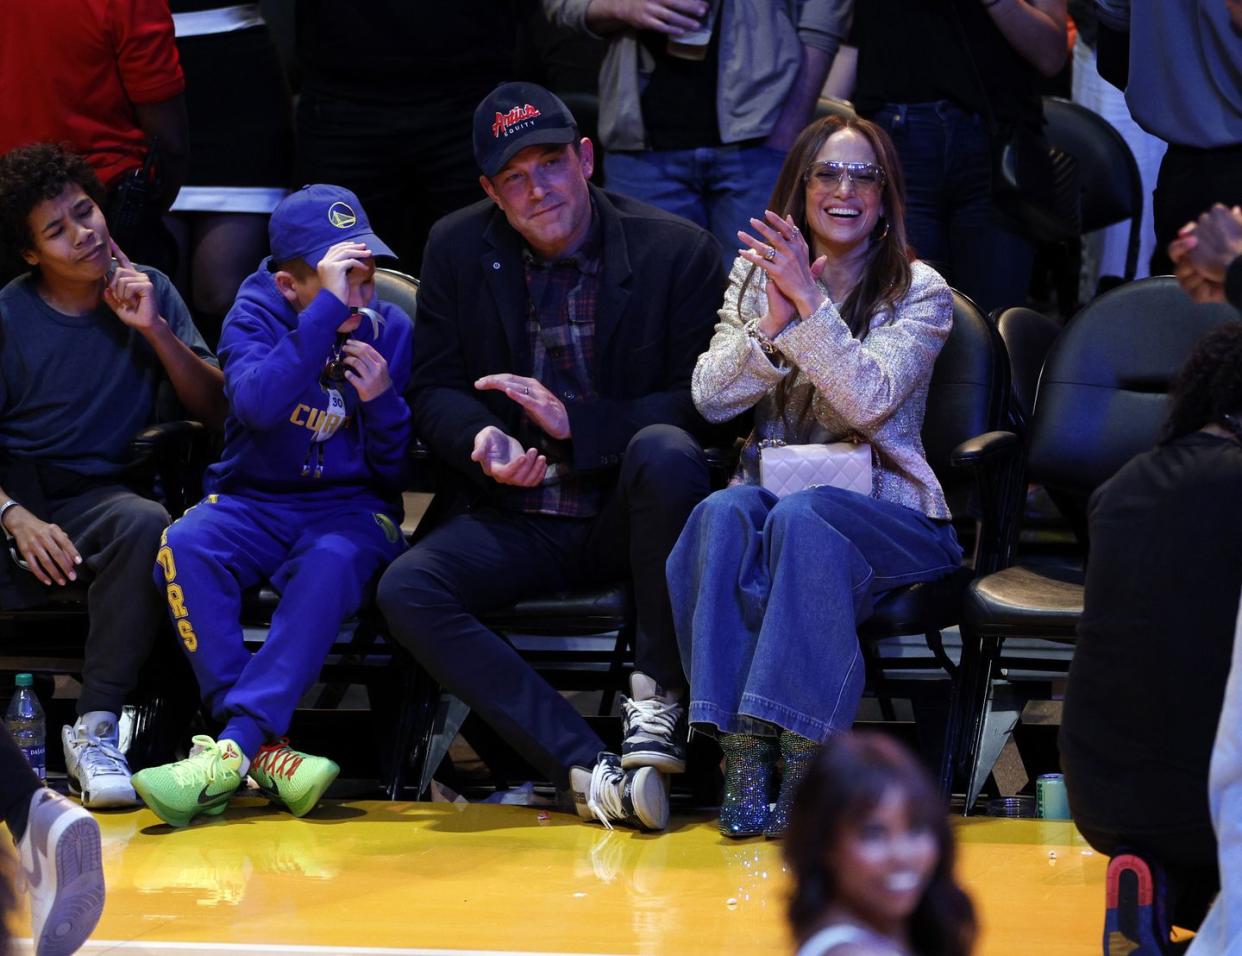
<point x="202" y="783"/>
<point x="292" y="778"/>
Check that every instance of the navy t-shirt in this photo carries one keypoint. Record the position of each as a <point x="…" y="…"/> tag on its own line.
<point x="74" y="390"/>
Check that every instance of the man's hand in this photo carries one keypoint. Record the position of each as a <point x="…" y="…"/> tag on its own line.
<point x="44" y="547"/>
<point x="1217" y="241"/>
<point x="673" y="17"/>
<point x="542" y="406"/>
<point x="336" y="266"/>
<point x="130" y="294"/>
<point x="366" y="370"/>
<point x="1193" y="282"/>
<point x="503" y="460"/>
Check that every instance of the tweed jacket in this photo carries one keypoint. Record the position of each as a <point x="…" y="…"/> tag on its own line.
<point x="827" y="385"/>
<point x="659" y="285"/>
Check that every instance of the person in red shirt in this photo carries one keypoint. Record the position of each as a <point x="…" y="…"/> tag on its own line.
<point x="104" y="77"/>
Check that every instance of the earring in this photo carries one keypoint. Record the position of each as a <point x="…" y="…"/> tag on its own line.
<point x="884" y="233"/>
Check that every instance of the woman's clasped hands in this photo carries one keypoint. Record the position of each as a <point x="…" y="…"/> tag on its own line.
<point x="782" y="253"/>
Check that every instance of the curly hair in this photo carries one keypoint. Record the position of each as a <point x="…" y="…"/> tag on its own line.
<point x="30" y="175"/>
<point x="849" y="778"/>
<point x="886" y="275"/>
<point x="1208" y="388"/>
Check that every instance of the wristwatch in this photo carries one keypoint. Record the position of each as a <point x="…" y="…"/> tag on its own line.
<point x="4" y="508"/>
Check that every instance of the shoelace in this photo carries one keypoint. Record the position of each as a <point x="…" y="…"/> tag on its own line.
<point x="653" y="717"/>
<point x="204" y="765"/>
<point x="604" y="794"/>
<point x="279" y="761"/>
<point x="98" y="755"/>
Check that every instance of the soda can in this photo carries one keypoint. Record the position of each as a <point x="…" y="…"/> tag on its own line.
<point x="1051" y="800"/>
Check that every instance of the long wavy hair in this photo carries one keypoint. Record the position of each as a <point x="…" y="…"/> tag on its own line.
<point x="847" y="781"/>
<point x="1208" y="388"/>
<point x="886" y="273"/>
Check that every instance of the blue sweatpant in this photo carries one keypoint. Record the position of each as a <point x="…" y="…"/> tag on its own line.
<point x="320" y="555"/>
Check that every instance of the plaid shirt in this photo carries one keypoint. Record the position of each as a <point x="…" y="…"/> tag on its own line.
<point x="560" y="327"/>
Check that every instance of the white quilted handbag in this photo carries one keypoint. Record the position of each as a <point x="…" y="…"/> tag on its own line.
<point x="784" y="469"/>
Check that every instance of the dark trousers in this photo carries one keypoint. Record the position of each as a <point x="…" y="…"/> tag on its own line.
<point x="488" y="558"/>
<point x="951" y="221"/>
<point x="1188" y="858"/>
<point x="17" y="781"/>
<point x="408" y="164"/>
<point x="117" y="532"/>
<point x="1190" y="181"/>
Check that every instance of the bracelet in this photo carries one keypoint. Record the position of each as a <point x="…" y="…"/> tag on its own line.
<point x="4" y="509"/>
<point x="753" y="330"/>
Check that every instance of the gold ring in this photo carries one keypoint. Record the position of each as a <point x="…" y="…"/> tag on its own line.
<point x="770" y="254"/>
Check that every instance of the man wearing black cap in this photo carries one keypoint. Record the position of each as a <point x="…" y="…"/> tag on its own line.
<point x="557" y="329"/>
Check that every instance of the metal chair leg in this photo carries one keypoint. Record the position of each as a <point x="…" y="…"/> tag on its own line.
<point x="414" y="726"/>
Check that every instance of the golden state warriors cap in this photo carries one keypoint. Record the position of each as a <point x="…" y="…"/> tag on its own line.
<point x="309" y="222"/>
<point x="514" y="116"/>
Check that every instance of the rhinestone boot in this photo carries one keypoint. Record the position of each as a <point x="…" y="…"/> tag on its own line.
<point x="797" y="752"/>
<point x="748" y="770"/>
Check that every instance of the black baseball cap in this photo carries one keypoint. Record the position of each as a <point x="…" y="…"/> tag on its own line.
<point x="514" y="116"/>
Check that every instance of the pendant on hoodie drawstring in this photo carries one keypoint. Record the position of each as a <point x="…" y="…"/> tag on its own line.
<point x="330" y="421"/>
<point x="314" y="451"/>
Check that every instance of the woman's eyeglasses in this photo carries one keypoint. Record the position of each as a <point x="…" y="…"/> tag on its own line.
<point x="866" y="177"/>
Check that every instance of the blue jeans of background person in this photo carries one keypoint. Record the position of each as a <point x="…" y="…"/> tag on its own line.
<point x="768" y="594"/>
<point x="717" y="187"/>
<point x="950" y="218"/>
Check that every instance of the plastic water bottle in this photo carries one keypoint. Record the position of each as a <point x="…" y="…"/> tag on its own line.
<point x="25" y="722"/>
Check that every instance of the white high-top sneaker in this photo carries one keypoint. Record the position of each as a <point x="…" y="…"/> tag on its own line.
<point x="62" y="868"/>
<point x="605" y="792"/>
<point x="654" y="727"/>
<point x="97" y="769"/>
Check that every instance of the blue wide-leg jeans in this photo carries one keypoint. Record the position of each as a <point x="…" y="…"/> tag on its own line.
<point x="768" y="593"/>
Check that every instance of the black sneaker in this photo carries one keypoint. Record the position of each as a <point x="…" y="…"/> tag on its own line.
<point x="654" y="728"/>
<point x="635" y="798"/>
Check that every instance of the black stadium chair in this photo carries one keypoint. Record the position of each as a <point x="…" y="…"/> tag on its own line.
<point x="1028" y="335"/>
<point x="1112" y="190"/>
<point x="967" y="402"/>
<point x="1102" y="399"/>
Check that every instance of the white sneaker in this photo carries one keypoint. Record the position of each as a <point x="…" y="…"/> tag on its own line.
<point x="654" y="728"/>
<point x="96" y="767"/>
<point x="635" y="798"/>
<point x="60" y="860"/>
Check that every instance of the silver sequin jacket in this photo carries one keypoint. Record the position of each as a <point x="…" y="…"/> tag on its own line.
<point x="829" y="385"/>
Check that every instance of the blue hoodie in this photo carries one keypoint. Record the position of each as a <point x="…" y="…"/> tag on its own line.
<point x="284" y="435"/>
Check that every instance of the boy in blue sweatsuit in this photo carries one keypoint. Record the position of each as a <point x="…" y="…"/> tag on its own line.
<point x="307" y="496"/>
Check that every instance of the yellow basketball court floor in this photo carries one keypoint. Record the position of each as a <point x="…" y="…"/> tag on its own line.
<point x="419" y="878"/>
